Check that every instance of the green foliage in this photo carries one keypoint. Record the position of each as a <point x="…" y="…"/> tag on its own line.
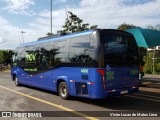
<point x="148" y="67"/>
<point x="156" y="27"/>
<point x="5" y="56"/>
<point x="1" y="57"/>
<point x="75" y="24"/>
<point x="49" y="34"/>
<point x="125" y="26"/>
<point x="157" y="62"/>
<point x="158" y="67"/>
<point x="148" y="59"/>
<point x="142" y="53"/>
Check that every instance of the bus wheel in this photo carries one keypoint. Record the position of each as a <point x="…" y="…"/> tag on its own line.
<point x="17" y="82"/>
<point x="63" y="90"/>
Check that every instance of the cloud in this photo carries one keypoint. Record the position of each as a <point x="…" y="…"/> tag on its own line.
<point x="20" y="7"/>
<point x="108" y="13"/>
<point x="59" y="1"/>
<point x="104" y="13"/>
<point x="11" y="36"/>
<point x="42" y="23"/>
<point x="2" y="40"/>
<point x="62" y="0"/>
<point x="135" y="2"/>
<point x="8" y="34"/>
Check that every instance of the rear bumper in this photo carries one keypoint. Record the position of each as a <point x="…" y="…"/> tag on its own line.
<point x="120" y="92"/>
<point x="100" y="93"/>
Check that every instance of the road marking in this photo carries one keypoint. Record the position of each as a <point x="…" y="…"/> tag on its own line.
<point x="52" y="104"/>
<point x="147" y="95"/>
<point x="143" y="98"/>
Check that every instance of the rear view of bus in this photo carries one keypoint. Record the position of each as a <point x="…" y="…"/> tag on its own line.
<point x="119" y="60"/>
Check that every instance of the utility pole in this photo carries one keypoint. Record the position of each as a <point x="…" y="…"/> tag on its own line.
<point x="23" y="36"/>
<point x="154" y="58"/>
<point x="51" y="16"/>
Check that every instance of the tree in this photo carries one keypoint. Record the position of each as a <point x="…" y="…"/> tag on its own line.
<point x="5" y="56"/>
<point x="156" y="27"/>
<point x="148" y="59"/>
<point x="148" y="67"/>
<point x="125" y="26"/>
<point x="142" y="53"/>
<point x="1" y="57"/>
<point x="75" y="24"/>
<point x="157" y="62"/>
<point x="49" y="34"/>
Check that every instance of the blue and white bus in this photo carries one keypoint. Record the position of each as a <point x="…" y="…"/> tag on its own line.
<point x="94" y="64"/>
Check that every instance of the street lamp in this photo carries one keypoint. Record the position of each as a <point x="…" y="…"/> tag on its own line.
<point x="51" y="16"/>
<point x="23" y="36"/>
<point x="153" y="70"/>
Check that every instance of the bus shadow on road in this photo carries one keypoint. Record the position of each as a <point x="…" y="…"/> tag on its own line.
<point x="142" y="101"/>
<point x="39" y="89"/>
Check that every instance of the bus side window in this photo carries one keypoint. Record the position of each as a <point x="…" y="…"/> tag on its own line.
<point x="14" y="59"/>
<point x="79" y="49"/>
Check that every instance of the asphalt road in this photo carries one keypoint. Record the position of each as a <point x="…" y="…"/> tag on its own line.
<point x="24" y="98"/>
<point x="152" y="81"/>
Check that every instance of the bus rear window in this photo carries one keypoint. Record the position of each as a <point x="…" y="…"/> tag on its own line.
<point x="115" y="47"/>
<point x="119" y="47"/>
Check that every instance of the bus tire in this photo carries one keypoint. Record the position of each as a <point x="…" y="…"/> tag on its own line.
<point x="13" y="77"/>
<point x="63" y="90"/>
<point x="17" y="82"/>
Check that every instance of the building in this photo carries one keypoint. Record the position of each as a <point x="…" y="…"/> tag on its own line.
<point x="153" y="48"/>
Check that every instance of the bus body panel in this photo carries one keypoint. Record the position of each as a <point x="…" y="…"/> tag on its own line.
<point x="99" y="72"/>
<point x="93" y="84"/>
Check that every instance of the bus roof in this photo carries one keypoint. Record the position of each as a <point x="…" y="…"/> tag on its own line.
<point x="68" y="36"/>
<point x="58" y="38"/>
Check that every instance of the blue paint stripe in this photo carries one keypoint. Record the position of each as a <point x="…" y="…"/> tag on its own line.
<point x="58" y="38"/>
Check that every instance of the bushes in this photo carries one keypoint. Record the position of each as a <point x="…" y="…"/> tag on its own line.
<point x="148" y="59"/>
<point x="5" y="58"/>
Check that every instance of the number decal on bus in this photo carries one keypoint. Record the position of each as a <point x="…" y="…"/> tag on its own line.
<point x="110" y="75"/>
<point x="84" y="70"/>
<point x="134" y="72"/>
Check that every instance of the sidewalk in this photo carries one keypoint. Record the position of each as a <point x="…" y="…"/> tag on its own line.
<point x="151" y="81"/>
<point x="151" y="76"/>
<point x="149" y="89"/>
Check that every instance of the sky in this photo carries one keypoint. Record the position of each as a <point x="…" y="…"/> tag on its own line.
<point x="33" y="16"/>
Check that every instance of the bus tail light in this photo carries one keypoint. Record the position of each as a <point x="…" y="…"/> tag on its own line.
<point x="72" y="81"/>
<point x="101" y="72"/>
<point x="90" y="83"/>
<point x="133" y="87"/>
<point x="112" y="90"/>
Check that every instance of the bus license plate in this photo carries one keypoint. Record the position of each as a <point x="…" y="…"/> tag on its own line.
<point x="124" y="92"/>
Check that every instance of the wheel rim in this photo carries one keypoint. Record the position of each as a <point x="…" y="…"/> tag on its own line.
<point x="63" y="91"/>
